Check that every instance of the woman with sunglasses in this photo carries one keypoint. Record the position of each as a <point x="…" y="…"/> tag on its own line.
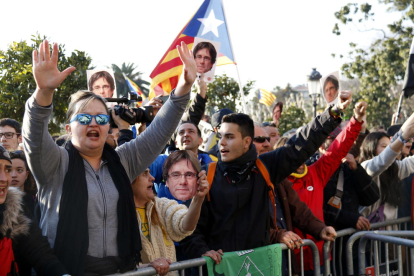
<point x="85" y="195"/>
<point x="23" y="179"/>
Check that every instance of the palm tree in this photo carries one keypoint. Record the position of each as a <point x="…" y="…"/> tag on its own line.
<point x="135" y="76"/>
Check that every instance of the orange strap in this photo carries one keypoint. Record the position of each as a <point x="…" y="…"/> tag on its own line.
<point x="265" y="173"/>
<point x="210" y="176"/>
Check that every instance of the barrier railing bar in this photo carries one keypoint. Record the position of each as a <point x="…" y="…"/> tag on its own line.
<point x="289" y="262"/>
<point x="340" y="255"/>
<point x="406" y="260"/>
<point x="376" y="258"/>
<point x="412" y="260"/>
<point x="400" y="264"/>
<point x="387" y="261"/>
<point x="383" y="238"/>
<point x="199" y="262"/>
<point x="334" y="256"/>
<point x="326" y="250"/>
<point x="302" y="268"/>
<point x="356" y="236"/>
<point x="349" y="231"/>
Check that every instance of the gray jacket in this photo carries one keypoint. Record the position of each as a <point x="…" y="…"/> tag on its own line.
<point x="49" y="164"/>
<point x="380" y="163"/>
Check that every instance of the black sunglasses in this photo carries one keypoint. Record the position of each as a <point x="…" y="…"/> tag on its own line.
<point x="261" y="139"/>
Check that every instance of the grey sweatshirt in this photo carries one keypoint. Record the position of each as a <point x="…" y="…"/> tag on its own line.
<point x="49" y="164"/>
<point x="378" y="165"/>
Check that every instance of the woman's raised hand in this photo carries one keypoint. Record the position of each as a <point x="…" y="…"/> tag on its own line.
<point x="408" y="128"/>
<point x="189" y="70"/>
<point x="46" y="74"/>
<point x="190" y="67"/>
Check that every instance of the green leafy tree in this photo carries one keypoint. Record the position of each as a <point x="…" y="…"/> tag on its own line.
<point x="17" y="83"/>
<point x="292" y="117"/>
<point x="223" y="92"/>
<point x="381" y="66"/>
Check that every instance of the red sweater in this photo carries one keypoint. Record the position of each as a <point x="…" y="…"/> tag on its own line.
<point x="310" y="187"/>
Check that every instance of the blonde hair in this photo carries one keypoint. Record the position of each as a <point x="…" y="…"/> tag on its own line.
<point x="82" y="95"/>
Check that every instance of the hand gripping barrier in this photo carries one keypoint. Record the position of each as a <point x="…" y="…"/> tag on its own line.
<point x="199" y="262"/>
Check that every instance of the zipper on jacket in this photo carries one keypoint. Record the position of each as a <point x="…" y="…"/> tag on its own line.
<point x="105" y="211"/>
<point x="105" y="205"/>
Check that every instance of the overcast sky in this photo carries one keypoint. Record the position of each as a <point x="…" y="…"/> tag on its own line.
<point x="274" y="42"/>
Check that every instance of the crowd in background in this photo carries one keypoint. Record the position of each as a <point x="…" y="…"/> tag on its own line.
<point x="104" y="199"/>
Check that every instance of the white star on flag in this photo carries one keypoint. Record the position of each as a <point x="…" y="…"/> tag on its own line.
<point x="210" y="23"/>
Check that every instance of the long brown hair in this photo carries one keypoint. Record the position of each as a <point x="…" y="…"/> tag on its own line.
<point x="390" y="183"/>
<point x="29" y="184"/>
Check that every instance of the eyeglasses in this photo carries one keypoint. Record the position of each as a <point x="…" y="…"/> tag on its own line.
<point x="8" y="135"/>
<point x="203" y="58"/>
<point x="86" y="119"/>
<point x="105" y="87"/>
<point x="261" y="139"/>
<point x="187" y="175"/>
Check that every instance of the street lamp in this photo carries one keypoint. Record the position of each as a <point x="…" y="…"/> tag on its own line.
<point x="314" y="87"/>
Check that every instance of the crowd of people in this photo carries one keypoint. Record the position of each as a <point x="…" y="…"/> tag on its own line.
<point x="104" y="200"/>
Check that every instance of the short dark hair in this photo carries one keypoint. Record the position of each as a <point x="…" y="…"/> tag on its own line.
<point x="245" y="123"/>
<point x="190" y="122"/>
<point x="280" y="105"/>
<point x="29" y="184"/>
<point x="333" y="80"/>
<point x="101" y="74"/>
<point x="11" y="123"/>
<point x="176" y="157"/>
<point x="268" y="124"/>
<point x="393" y="129"/>
<point x="206" y="45"/>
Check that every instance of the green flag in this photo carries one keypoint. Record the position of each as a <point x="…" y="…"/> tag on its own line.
<point x="262" y="261"/>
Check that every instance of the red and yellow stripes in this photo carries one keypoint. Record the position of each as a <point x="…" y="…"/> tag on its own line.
<point x="167" y="72"/>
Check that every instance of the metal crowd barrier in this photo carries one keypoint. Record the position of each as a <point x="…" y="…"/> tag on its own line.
<point x="199" y="262"/>
<point x="339" y="271"/>
<point x="386" y="239"/>
<point x="356" y="236"/>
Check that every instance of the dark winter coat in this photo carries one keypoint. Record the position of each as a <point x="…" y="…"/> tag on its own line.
<point x="237" y="215"/>
<point x="30" y="248"/>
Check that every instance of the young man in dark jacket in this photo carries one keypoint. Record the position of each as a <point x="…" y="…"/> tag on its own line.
<point x="237" y="215"/>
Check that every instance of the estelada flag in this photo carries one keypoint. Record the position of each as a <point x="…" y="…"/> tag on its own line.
<point x="266" y="97"/>
<point x="208" y="23"/>
<point x="133" y="87"/>
<point x="408" y="86"/>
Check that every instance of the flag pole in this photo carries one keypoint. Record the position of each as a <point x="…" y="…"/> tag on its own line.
<point x="245" y="108"/>
<point x="398" y="108"/>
